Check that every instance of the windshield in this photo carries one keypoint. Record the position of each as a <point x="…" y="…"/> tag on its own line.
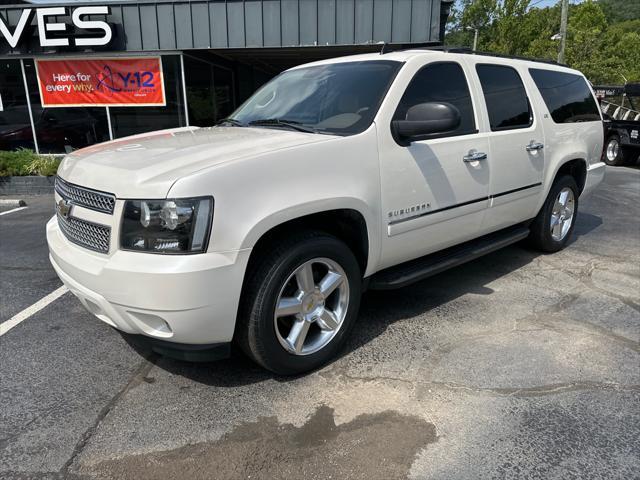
<point x="338" y="98"/>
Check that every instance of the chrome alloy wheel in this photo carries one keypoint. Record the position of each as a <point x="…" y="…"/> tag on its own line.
<point x="612" y="149"/>
<point x="562" y="214"/>
<point x="311" y="306"/>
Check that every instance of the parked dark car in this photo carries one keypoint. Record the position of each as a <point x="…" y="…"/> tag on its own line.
<point x="58" y="131"/>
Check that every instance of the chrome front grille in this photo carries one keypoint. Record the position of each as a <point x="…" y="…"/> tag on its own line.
<point x="86" y="234"/>
<point x="85" y="197"/>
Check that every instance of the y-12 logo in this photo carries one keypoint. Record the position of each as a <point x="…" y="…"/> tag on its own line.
<point x="120" y="82"/>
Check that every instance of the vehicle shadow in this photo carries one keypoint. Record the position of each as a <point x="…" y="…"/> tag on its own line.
<point x="379" y="310"/>
<point x="586" y="223"/>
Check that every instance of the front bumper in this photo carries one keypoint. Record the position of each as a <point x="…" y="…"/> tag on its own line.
<point x="595" y="176"/>
<point x="183" y="299"/>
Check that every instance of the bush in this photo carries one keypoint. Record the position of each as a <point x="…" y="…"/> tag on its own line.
<point x="27" y="162"/>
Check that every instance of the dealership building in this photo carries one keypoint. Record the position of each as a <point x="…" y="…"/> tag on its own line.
<point x="77" y="73"/>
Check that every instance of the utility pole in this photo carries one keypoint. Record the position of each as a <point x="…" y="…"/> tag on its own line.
<point x="475" y="36"/>
<point x="563" y="29"/>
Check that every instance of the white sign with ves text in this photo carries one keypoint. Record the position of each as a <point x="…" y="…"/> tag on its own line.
<point x="53" y="33"/>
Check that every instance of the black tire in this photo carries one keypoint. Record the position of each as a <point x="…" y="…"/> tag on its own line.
<point x="614" y="154"/>
<point x="256" y="332"/>
<point x="540" y="236"/>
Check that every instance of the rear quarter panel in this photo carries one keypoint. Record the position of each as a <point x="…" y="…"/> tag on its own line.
<point x="564" y="141"/>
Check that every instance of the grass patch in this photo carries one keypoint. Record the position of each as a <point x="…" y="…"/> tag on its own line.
<point x="25" y="162"/>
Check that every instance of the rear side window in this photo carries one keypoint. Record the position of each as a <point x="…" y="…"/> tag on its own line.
<point x="567" y="96"/>
<point x="440" y="82"/>
<point x="505" y="96"/>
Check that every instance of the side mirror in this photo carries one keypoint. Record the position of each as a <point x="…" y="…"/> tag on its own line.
<point x="424" y="121"/>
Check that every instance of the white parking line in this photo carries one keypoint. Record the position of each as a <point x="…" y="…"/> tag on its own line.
<point x="13" y="210"/>
<point x="33" y="309"/>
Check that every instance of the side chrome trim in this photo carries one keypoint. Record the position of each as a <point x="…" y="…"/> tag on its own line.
<point x="515" y="190"/>
<point x="463" y="204"/>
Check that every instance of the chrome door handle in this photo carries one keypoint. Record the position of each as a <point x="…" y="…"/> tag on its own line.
<point x="474" y="156"/>
<point x="533" y="146"/>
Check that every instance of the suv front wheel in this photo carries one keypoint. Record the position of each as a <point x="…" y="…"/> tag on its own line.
<point x="299" y="303"/>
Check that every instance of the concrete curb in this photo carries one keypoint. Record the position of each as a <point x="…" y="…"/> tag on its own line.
<point x="10" y="202"/>
<point x="29" y="185"/>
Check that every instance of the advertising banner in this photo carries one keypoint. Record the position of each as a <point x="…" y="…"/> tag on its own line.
<point x="101" y="82"/>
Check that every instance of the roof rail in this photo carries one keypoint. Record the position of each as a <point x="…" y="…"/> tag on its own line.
<point x="399" y="47"/>
<point x="468" y="51"/>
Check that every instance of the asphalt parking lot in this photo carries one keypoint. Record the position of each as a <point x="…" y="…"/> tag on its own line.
<point x="517" y="365"/>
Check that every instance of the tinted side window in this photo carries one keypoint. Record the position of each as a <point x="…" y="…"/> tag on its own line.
<point x="567" y="96"/>
<point x="505" y="96"/>
<point x="440" y="82"/>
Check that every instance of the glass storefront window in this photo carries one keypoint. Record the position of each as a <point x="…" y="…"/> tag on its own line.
<point x="15" y="125"/>
<point x="131" y="120"/>
<point x="210" y="92"/>
<point x="200" y="96"/>
<point x="224" y="92"/>
<point x="62" y="130"/>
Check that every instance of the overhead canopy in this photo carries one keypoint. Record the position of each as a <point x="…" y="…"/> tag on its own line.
<point x="232" y="24"/>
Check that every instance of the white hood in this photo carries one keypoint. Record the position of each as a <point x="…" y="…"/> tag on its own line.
<point x="145" y="166"/>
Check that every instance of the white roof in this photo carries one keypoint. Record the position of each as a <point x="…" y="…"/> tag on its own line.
<point x="406" y="55"/>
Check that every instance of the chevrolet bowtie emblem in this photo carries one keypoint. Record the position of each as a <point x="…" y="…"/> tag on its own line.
<point x="64" y="208"/>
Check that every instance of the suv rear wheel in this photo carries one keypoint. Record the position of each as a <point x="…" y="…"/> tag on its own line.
<point x="299" y="303"/>
<point x="554" y="224"/>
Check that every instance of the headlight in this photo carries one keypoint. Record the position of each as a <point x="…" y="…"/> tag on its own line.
<point x="180" y="225"/>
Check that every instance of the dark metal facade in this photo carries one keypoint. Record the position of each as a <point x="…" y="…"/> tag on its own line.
<point x="231" y="24"/>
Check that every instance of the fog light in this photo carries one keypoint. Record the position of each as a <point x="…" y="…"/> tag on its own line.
<point x="151" y="324"/>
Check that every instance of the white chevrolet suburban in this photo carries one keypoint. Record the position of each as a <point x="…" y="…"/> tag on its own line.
<point x="369" y="171"/>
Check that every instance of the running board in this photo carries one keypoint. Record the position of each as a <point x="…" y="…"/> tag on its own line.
<point x="429" y="265"/>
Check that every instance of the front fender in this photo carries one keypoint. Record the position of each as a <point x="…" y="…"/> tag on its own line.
<point x="267" y="223"/>
<point x="252" y="195"/>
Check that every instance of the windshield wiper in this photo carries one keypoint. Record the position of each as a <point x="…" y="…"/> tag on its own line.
<point x="231" y="121"/>
<point x="278" y="122"/>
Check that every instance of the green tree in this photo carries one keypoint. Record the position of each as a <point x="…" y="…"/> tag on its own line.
<point x="586" y="40"/>
<point x="509" y="34"/>
<point x="540" y="26"/>
<point x="603" y="37"/>
<point x="620" y="10"/>
<point x="478" y="13"/>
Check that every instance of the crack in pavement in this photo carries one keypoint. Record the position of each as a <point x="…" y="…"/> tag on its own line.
<point x="588" y="281"/>
<point x="541" y="318"/>
<point x="535" y="318"/>
<point x="585" y="277"/>
<point x="518" y="392"/>
<point x="597" y="331"/>
<point x="541" y="390"/>
<point x="525" y="324"/>
<point x="135" y="380"/>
